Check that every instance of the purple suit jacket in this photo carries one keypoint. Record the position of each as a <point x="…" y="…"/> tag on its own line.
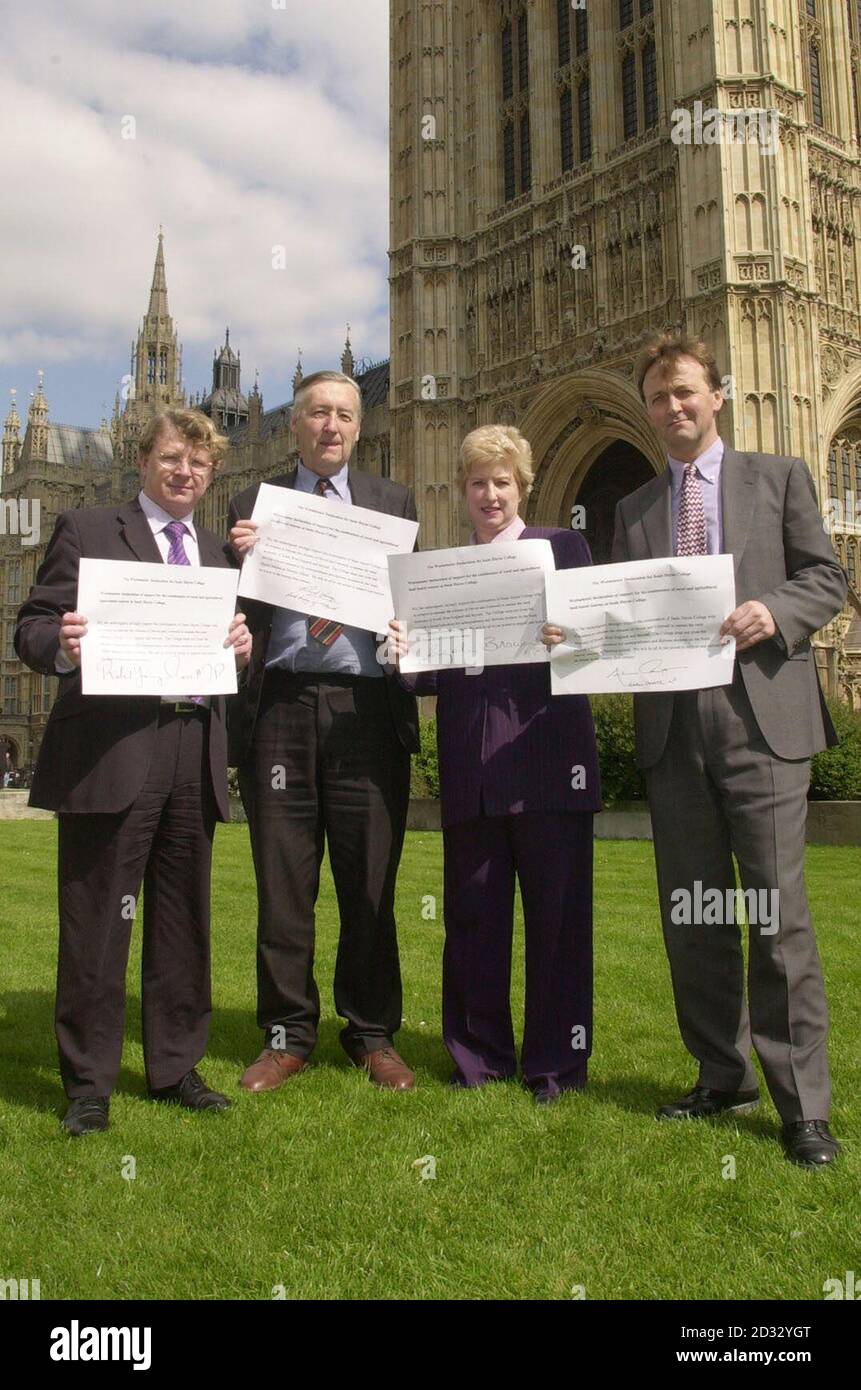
<point x="505" y="744"/>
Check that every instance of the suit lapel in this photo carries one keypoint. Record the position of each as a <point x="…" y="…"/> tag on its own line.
<point x="657" y="516"/>
<point x="737" y="492"/>
<point x="363" y="489"/>
<point x="135" y="531"/>
<point x="210" y="547"/>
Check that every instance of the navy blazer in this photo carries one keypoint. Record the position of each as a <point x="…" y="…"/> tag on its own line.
<point x="505" y="743"/>
<point x="97" y="749"/>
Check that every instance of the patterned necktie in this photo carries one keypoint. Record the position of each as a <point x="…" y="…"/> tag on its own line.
<point x="691" y="529"/>
<point x="175" y="530"/>
<point x="323" y="630"/>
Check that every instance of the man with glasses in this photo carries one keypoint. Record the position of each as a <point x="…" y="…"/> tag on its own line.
<point x="138" y="783"/>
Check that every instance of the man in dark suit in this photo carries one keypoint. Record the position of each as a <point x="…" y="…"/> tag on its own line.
<point x="727" y="769"/>
<point x="322" y="737"/>
<point x="137" y="783"/>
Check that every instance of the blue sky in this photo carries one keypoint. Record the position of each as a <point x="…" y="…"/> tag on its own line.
<point x="254" y="126"/>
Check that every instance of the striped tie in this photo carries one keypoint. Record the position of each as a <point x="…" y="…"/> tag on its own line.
<point x="691" y="530"/>
<point x="175" y="530"/>
<point x="323" y="630"/>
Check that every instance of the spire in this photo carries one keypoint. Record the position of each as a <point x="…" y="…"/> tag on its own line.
<point x="13" y="423"/>
<point x="347" y="363"/>
<point x="11" y="439"/>
<point x="297" y="375"/>
<point x="158" y="290"/>
<point x="37" y="421"/>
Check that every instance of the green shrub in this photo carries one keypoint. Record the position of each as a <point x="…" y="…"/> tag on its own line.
<point x="425" y="770"/>
<point x="836" y="773"/>
<point x="621" y="779"/>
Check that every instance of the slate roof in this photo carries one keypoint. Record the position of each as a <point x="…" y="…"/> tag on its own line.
<point x="71" y="445"/>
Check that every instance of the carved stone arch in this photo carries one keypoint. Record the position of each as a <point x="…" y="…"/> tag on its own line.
<point x="580" y="421"/>
<point x="843" y="403"/>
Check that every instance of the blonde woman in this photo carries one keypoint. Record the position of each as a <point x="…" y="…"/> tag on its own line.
<point x="514" y="808"/>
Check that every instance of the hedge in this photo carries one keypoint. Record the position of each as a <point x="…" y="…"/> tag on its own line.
<point x="836" y="773"/>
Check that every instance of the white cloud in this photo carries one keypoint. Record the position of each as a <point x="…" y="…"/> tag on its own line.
<point x="253" y="127"/>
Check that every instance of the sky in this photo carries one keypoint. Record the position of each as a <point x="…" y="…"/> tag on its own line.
<point x="235" y="125"/>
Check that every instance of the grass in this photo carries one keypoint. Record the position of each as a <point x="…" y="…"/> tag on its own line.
<point x="314" y="1190"/>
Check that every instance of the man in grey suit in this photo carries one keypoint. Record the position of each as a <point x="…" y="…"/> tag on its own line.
<point x="727" y="769"/>
<point x="322" y="737"/>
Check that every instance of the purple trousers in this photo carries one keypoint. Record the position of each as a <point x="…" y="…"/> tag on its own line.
<point x="551" y="855"/>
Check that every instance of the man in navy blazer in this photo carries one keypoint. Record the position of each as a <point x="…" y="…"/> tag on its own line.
<point x="322" y="738"/>
<point x="138" y="783"/>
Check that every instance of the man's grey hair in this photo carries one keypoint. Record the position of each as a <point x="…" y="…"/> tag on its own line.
<point x="314" y="380"/>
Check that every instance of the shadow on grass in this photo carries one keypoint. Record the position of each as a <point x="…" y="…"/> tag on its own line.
<point x="29" y="1071"/>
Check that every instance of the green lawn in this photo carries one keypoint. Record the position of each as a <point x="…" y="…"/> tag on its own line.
<point x="316" y="1188"/>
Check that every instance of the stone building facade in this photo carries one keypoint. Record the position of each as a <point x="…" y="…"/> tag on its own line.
<point x="549" y="204"/>
<point x="560" y="182"/>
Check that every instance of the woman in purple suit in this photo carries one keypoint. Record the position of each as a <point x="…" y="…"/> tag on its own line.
<point x="518" y="787"/>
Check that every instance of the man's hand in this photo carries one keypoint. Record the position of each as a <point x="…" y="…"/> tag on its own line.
<point x="397" y="645"/>
<point x="239" y="638"/>
<point x="72" y="628"/>
<point x="551" y="635"/>
<point x="243" y="538"/>
<point x="750" y="623"/>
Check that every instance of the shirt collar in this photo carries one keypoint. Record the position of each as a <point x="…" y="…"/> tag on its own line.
<point x="158" y="518"/>
<point x="708" y="465"/>
<point x="306" y="481"/>
<point x="510" y="533"/>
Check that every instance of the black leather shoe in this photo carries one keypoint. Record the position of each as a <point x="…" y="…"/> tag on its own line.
<point x="86" y="1115"/>
<point x="702" y="1103"/>
<point x="810" y="1143"/>
<point x="192" y="1093"/>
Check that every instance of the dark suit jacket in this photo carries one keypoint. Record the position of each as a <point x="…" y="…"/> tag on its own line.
<point x="505" y="743"/>
<point x="783" y="558"/>
<point x="97" y="749"/>
<point x="377" y="494"/>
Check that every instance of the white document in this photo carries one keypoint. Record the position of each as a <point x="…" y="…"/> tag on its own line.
<point x="472" y="605"/>
<point x="156" y="629"/>
<point x="324" y="559"/>
<point x="643" y="625"/>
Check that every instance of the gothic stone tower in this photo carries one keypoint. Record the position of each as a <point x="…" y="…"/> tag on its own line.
<point x="155" y="380"/>
<point x="549" y="204"/>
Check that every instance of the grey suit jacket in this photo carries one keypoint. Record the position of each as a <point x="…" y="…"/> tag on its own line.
<point x="783" y="558"/>
<point x="366" y="490"/>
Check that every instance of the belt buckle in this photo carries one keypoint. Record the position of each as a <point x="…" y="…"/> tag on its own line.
<point x="185" y="707"/>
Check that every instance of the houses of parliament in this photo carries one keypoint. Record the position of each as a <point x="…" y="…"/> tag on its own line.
<point x="547" y="207"/>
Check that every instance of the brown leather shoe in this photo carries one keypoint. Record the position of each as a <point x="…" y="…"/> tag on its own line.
<point x="270" y="1070"/>
<point x="387" y="1069"/>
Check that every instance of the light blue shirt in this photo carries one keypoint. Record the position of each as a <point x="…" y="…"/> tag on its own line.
<point x="708" y="471"/>
<point x="291" y="646"/>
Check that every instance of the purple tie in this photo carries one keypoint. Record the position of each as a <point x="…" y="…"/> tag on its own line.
<point x="175" y="530"/>
<point x="691" y="527"/>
